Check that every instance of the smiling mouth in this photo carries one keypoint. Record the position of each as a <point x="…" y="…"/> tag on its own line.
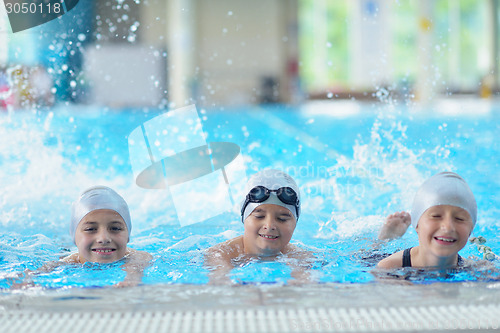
<point x="103" y="251"/>
<point x="445" y="239"/>
<point x="268" y="236"/>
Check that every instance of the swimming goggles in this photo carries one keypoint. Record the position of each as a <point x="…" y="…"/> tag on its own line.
<point x="260" y="194"/>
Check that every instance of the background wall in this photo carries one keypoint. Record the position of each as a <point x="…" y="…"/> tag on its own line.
<point x="170" y="53"/>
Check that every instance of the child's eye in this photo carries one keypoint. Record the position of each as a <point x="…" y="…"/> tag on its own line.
<point x="116" y="229"/>
<point x="283" y="219"/>
<point x="89" y="229"/>
<point x="259" y="216"/>
<point x="459" y="219"/>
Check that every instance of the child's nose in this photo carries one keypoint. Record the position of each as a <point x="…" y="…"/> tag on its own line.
<point x="103" y="237"/>
<point x="447" y="223"/>
<point x="269" y="223"/>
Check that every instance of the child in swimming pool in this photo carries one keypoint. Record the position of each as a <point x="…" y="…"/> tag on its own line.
<point x="444" y="213"/>
<point x="100" y="227"/>
<point x="269" y="213"/>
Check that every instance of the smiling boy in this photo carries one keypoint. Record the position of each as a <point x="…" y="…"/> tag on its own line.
<point x="269" y="214"/>
<point x="100" y="227"/>
<point x="101" y="236"/>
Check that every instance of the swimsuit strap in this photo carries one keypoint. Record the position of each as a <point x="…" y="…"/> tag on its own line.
<point x="407" y="258"/>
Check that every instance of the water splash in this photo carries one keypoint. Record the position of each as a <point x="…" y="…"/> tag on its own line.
<point x="379" y="178"/>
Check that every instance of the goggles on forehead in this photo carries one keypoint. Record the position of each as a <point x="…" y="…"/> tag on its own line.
<point x="260" y="194"/>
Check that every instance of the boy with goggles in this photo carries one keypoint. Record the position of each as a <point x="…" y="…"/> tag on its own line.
<point x="269" y="214"/>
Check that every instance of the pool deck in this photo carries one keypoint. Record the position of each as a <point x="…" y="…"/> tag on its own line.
<point x="377" y="307"/>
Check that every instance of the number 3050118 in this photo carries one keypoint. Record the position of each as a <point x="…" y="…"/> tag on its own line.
<point x="32" y="8"/>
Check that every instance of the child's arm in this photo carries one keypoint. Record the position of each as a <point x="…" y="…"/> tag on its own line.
<point x="218" y="260"/>
<point x="300" y="264"/>
<point x="27" y="277"/>
<point x="136" y="263"/>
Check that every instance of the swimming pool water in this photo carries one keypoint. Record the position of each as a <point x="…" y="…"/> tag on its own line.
<point x="353" y="170"/>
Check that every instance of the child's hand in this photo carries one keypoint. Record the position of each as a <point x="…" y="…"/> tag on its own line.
<point x="22" y="285"/>
<point x="19" y="280"/>
<point x="126" y="283"/>
<point x="395" y="226"/>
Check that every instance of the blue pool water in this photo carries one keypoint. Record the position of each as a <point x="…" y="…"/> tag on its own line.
<point x="354" y="163"/>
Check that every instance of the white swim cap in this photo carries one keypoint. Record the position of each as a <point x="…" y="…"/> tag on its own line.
<point x="445" y="188"/>
<point x="94" y="198"/>
<point x="271" y="179"/>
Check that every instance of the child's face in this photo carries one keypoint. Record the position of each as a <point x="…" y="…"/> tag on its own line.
<point x="101" y="236"/>
<point x="444" y="230"/>
<point x="268" y="229"/>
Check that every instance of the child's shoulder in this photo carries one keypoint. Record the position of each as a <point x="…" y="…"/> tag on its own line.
<point x="294" y="251"/>
<point x="73" y="258"/>
<point x="137" y="255"/>
<point x="395" y="260"/>
<point x="230" y="248"/>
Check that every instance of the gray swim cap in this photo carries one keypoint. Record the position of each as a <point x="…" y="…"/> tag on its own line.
<point x="94" y="198"/>
<point x="445" y="188"/>
<point x="271" y="179"/>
